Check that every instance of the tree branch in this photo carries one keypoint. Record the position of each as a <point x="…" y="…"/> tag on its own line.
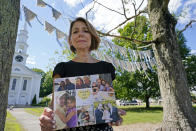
<point x="108" y="8"/>
<point x="124" y="9"/>
<point x="139" y="47"/>
<point x="126" y="21"/>
<point x="186" y="26"/>
<point x="89" y="10"/>
<point x="140" y="5"/>
<point x="127" y="38"/>
<point x="134" y="20"/>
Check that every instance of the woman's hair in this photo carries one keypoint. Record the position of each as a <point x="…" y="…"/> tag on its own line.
<point x="95" y="40"/>
<point x="78" y="78"/>
<point x="67" y="81"/>
<point x="72" y="98"/>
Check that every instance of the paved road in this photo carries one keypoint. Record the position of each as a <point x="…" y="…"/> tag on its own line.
<point x="28" y="121"/>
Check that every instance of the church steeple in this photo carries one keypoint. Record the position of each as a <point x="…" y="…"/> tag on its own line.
<point x="20" y="55"/>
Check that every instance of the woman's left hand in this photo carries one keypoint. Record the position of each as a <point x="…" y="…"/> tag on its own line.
<point x="119" y="122"/>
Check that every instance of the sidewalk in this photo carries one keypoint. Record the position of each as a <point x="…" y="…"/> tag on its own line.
<point x="28" y="121"/>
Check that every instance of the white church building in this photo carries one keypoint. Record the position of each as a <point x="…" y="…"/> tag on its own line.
<point x="24" y="83"/>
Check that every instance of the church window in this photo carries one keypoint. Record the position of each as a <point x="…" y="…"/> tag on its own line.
<point x="24" y="85"/>
<point x="14" y="84"/>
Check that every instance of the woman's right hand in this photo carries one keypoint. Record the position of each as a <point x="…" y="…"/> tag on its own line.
<point x="47" y="122"/>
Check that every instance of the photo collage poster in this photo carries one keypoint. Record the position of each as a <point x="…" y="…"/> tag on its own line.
<point x="84" y="100"/>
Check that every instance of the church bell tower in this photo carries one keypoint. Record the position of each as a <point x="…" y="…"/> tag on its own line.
<point x="20" y="55"/>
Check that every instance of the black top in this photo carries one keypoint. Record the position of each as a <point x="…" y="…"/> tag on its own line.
<point x="72" y="68"/>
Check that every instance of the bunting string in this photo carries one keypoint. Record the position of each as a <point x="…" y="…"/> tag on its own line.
<point x="137" y="60"/>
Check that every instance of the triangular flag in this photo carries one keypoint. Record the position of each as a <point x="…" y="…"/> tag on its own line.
<point x="48" y="27"/>
<point x="41" y="3"/>
<point x="60" y="34"/>
<point x="55" y="13"/>
<point x="29" y="15"/>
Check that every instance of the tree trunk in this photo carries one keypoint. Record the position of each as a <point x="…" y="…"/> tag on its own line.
<point x="9" y="16"/>
<point x="147" y="102"/>
<point x="179" y="114"/>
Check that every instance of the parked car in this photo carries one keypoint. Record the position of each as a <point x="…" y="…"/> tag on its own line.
<point x="133" y="102"/>
<point x="126" y="102"/>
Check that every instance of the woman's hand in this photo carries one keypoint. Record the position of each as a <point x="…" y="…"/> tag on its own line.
<point x="46" y="120"/>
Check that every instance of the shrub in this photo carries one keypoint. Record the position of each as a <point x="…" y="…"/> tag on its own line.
<point x="45" y="101"/>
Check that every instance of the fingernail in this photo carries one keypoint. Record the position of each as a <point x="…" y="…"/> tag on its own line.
<point x="52" y="114"/>
<point x="53" y="121"/>
<point x="53" y="126"/>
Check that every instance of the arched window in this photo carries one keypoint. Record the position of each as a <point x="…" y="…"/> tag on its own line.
<point x="14" y="84"/>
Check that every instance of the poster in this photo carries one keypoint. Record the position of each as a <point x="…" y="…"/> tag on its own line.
<point x="84" y="100"/>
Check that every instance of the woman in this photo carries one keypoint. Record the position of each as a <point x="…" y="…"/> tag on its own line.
<point x="69" y="85"/>
<point x="79" y="83"/>
<point x="62" y="86"/>
<point x="82" y="40"/>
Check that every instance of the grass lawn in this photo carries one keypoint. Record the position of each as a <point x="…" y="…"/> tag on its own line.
<point x="35" y="111"/>
<point x="139" y="114"/>
<point x="12" y="124"/>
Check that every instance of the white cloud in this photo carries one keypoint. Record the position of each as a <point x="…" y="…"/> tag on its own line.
<point x="193" y="51"/>
<point x="194" y="12"/>
<point x="190" y="2"/>
<point x="31" y="60"/>
<point x="174" y="5"/>
<point x="187" y="13"/>
<point x="73" y="2"/>
<point x="105" y="19"/>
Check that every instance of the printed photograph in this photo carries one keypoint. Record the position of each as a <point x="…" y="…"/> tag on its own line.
<point x="60" y="109"/>
<point x="106" y="111"/>
<point x="62" y="84"/>
<point x="65" y="110"/>
<point x="85" y="115"/>
<point x="83" y="82"/>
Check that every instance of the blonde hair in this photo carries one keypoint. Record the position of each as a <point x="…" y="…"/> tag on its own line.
<point x="95" y="40"/>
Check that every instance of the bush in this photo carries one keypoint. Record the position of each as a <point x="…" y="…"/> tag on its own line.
<point x="45" y="101"/>
<point x="34" y="101"/>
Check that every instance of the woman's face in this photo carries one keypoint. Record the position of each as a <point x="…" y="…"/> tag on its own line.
<point x="80" y="36"/>
<point x="86" y="80"/>
<point x="70" y="104"/>
<point x="103" y="82"/>
<point x="99" y="82"/>
<point x="62" y="83"/>
<point x="78" y="82"/>
<point x="62" y="101"/>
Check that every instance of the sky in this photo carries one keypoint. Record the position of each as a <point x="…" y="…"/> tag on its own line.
<point x="42" y="45"/>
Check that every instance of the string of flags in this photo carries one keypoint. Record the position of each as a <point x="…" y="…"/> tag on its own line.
<point x="30" y="15"/>
<point x="140" y="60"/>
<point x="56" y="14"/>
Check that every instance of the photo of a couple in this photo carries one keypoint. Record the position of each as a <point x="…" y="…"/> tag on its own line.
<point x="82" y="83"/>
<point x="85" y="115"/>
<point x="65" y="84"/>
<point x="105" y="112"/>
